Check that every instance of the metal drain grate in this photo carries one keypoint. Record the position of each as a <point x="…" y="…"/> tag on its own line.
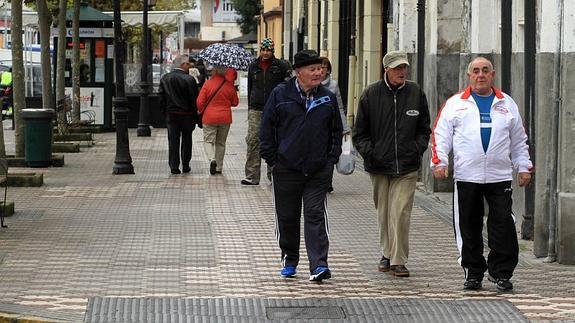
<point x="305" y="312"/>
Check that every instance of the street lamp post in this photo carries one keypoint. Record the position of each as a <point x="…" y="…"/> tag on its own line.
<point x="144" y="123"/>
<point x="123" y="160"/>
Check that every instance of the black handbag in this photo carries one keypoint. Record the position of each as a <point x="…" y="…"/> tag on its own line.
<point x="199" y="122"/>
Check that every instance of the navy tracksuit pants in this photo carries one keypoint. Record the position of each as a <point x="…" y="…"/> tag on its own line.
<point x="468" y="212"/>
<point x="291" y="189"/>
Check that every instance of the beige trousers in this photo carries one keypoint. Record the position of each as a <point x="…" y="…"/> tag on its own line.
<point x="215" y="137"/>
<point x="393" y="198"/>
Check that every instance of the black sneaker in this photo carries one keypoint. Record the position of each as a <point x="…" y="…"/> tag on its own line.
<point x="186" y="169"/>
<point x="213" y="165"/>
<point x="319" y="274"/>
<point x="247" y="181"/>
<point x="472" y="284"/>
<point x="501" y="283"/>
<point x="175" y="171"/>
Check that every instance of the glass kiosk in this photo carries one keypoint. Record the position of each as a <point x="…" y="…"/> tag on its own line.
<point x="96" y="65"/>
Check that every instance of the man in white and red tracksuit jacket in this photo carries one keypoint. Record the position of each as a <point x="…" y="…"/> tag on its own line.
<point x="483" y="127"/>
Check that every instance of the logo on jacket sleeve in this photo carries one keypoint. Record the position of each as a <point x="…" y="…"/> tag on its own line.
<point x="412" y="113"/>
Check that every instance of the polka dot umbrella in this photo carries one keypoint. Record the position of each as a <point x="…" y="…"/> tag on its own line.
<point x="227" y="55"/>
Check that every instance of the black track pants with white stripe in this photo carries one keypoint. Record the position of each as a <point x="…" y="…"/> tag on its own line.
<point x="291" y="189"/>
<point x="468" y="212"/>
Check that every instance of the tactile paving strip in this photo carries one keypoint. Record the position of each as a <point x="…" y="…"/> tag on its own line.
<point x="111" y="309"/>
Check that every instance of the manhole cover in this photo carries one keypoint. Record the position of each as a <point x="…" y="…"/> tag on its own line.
<point x="305" y="312"/>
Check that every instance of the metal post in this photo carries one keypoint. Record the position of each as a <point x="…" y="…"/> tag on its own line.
<point x="553" y="168"/>
<point x="161" y="47"/>
<point x="5" y="40"/>
<point x="318" y="26"/>
<point x="506" y="13"/>
<point x="384" y="39"/>
<point x="420" y="40"/>
<point x="144" y="123"/>
<point x="123" y="160"/>
<point x="530" y="77"/>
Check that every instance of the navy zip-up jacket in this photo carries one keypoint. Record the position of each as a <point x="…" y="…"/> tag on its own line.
<point x="299" y="133"/>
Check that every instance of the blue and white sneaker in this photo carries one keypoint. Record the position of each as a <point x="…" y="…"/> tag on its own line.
<point x="320" y="273"/>
<point x="288" y="272"/>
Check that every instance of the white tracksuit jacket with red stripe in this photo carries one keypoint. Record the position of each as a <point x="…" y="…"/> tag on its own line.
<point x="457" y="127"/>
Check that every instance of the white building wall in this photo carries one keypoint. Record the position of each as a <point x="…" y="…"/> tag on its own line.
<point x="406" y="16"/>
<point x="485" y="27"/>
<point x="549" y="20"/>
<point x="548" y="26"/>
<point x="333" y="36"/>
<point x="431" y="29"/>
<point x="569" y="26"/>
<point x="230" y="30"/>
<point x="518" y="23"/>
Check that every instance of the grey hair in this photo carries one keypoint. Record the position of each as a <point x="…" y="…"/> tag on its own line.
<point x="470" y="69"/>
<point x="181" y="59"/>
<point x="220" y="70"/>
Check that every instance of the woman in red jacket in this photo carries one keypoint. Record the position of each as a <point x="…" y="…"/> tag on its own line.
<point x="215" y="102"/>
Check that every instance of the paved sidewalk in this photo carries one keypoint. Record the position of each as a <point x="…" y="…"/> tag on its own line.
<point x="88" y="234"/>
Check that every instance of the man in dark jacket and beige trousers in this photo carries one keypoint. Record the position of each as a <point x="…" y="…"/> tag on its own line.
<point x="391" y="133"/>
<point x="300" y="138"/>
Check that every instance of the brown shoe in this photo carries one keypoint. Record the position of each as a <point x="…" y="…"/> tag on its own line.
<point x="399" y="271"/>
<point x="383" y="265"/>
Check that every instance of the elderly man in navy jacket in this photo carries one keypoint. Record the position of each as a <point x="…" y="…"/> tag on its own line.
<point x="300" y="138"/>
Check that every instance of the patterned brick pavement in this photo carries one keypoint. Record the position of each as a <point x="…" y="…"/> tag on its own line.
<point x="88" y="233"/>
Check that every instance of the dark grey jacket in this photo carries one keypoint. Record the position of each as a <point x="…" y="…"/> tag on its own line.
<point x="261" y="83"/>
<point x="392" y="128"/>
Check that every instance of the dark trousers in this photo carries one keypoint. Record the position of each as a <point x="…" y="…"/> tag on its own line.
<point x="291" y="189"/>
<point x="179" y="125"/>
<point x="468" y="212"/>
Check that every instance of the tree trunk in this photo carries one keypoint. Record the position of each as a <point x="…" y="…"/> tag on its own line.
<point x="18" y="86"/>
<point x="44" y="22"/>
<point x="76" y="62"/>
<point x="61" y="68"/>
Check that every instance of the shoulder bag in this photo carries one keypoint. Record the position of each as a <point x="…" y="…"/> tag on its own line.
<point x="199" y="122"/>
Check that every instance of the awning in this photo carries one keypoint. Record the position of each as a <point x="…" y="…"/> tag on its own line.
<point x="250" y="38"/>
<point x="196" y="43"/>
<point x="155" y="18"/>
<point x="30" y="18"/>
<point x="131" y="18"/>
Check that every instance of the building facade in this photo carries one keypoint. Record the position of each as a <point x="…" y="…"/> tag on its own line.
<point x="532" y="46"/>
<point x="271" y="23"/>
<point x="218" y="20"/>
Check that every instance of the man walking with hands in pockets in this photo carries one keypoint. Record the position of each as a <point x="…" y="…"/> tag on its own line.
<point x="391" y="133"/>
<point x="301" y="140"/>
